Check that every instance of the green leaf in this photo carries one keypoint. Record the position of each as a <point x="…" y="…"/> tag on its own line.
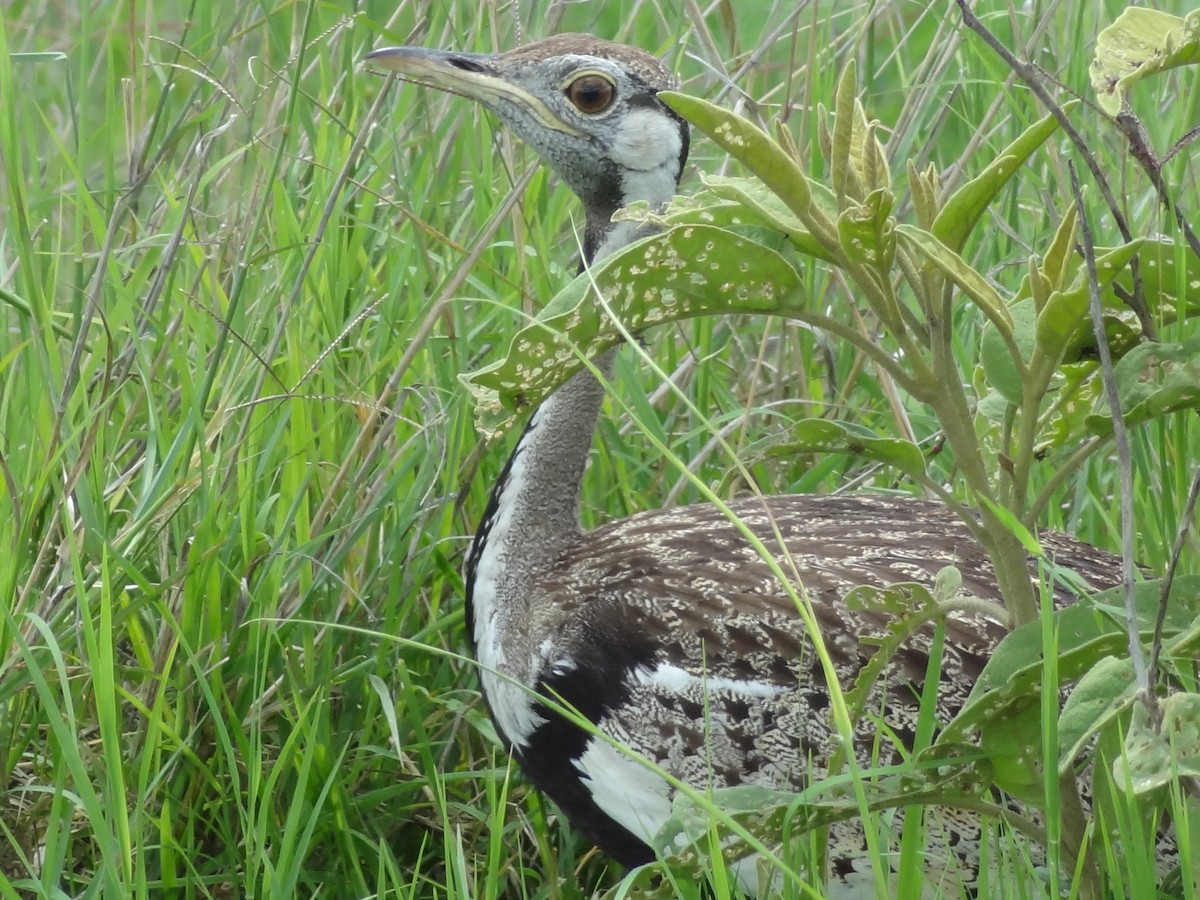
<point x="1170" y="277"/>
<point x="867" y="231"/>
<point x="824" y="436"/>
<point x="749" y="145"/>
<point x="1140" y="43"/>
<point x="1015" y="753"/>
<point x="689" y="270"/>
<point x="1012" y="522"/>
<point x="843" y="171"/>
<point x="1064" y="319"/>
<point x="1087" y="631"/>
<point x="1103" y="694"/>
<point x="1155" y="756"/>
<point x="998" y="365"/>
<point x="963" y="210"/>
<point x="857" y="160"/>
<point x="765" y="206"/>
<point x="1152" y="380"/>
<point x="1054" y="267"/>
<point x="923" y="188"/>
<point x="39" y="56"/>
<point x="957" y="270"/>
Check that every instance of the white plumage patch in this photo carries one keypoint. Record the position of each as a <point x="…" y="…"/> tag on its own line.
<point x="647" y="139"/>
<point x="628" y="791"/>
<point x="514" y="707"/>
<point x="647" y="149"/>
<point x="675" y="680"/>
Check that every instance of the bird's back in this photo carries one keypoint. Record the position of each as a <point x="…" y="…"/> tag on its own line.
<point x="670" y="632"/>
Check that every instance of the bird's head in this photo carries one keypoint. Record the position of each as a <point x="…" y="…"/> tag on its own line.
<point x="590" y="109"/>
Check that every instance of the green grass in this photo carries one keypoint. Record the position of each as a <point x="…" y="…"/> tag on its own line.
<point x="239" y="475"/>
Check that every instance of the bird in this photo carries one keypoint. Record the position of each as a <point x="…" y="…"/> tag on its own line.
<point x="667" y="630"/>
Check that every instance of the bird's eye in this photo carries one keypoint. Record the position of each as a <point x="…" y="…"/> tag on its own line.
<point x="591" y="94"/>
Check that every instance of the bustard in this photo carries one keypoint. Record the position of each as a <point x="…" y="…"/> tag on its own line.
<point x="666" y="629"/>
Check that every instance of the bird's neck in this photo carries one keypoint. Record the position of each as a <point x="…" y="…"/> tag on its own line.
<point x="532" y="515"/>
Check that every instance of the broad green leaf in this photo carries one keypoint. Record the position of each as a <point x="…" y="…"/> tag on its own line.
<point x="1103" y="693"/>
<point x="700" y="208"/>
<point x="992" y="407"/>
<point x="1170" y="279"/>
<point x="1152" y="380"/>
<point x="1015" y="752"/>
<point x="749" y="145"/>
<point x="998" y="365"/>
<point x="1140" y="43"/>
<point x="1087" y="630"/>
<point x="962" y="211"/>
<point x="766" y="207"/>
<point x="689" y="270"/>
<point x="1065" y="316"/>
<point x="1156" y="755"/>
<point x="957" y="270"/>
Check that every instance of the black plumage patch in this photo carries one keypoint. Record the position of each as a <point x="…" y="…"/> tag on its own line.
<point x="604" y="657"/>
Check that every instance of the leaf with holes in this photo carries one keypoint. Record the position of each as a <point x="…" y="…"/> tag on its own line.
<point x="1103" y="694"/>
<point x="749" y="145"/>
<point x="1015" y="752"/>
<point x="761" y="204"/>
<point x="1155" y="756"/>
<point x="868" y="232"/>
<point x="690" y="270"/>
<point x="1170" y="277"/>
<point x="1109" y="689"/>
<point x="909" y="607"/>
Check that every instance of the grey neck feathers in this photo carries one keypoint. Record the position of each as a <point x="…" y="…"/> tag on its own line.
<point x="533" y="516"/>
<point x="550" y="460"/>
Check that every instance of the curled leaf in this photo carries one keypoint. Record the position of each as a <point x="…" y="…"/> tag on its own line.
<point x="1141" y="42"/>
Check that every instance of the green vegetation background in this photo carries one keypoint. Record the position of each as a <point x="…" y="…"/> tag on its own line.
<point x="236" y="288"/>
